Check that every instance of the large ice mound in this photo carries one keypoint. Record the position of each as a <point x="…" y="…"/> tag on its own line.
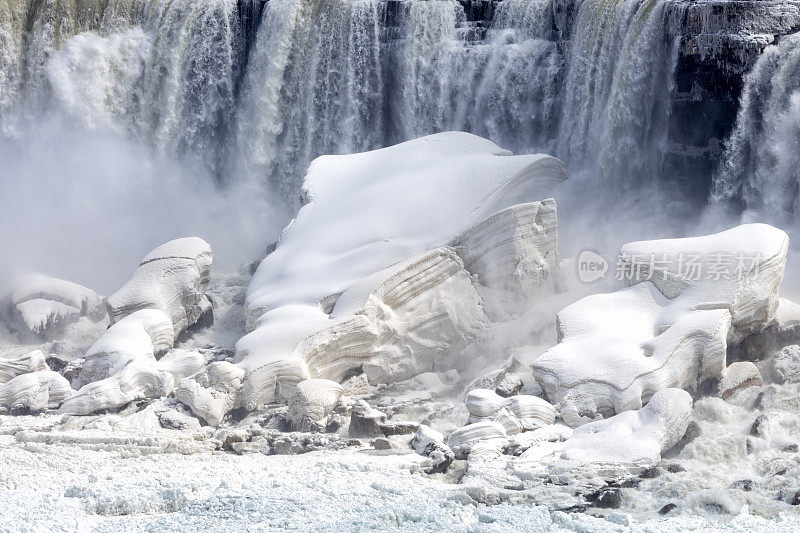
<point x="669" y="328"/>
<point x="380" y="269"/>
<point x="173" y="279"/>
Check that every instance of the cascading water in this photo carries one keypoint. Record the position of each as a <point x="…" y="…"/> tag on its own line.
<point x="616" y="101"/>
<point x="196" y="79"/>
<point x="761" y="165"/>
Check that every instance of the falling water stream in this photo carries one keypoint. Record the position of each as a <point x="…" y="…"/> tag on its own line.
<point x="200" y="79"/>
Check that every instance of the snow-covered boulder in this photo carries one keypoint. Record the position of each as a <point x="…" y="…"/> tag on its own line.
<point x="44" y="306"/>
<point x="483" y="403"/>
<point x="212" y="391"/>
<point x="633" y="436"/>
<point x="516" y="413"/>
<point x="514" y="250"/>
<point x="312" y="404"/>
<point x="430" y="443"/>
<point x="173" y="279"/>
<point x="531" y="411"/>
<point x="121" y="367"/>
<point x="35" y="392"/>
<point x="783" y="330"/>
<point x="374" y="274"/>
<point x="138" y="337"/>
<point x="462" y="440"/>
<point x="739" y="269"/>
<point x="30" y="362"/>
<point x="737" y="377"/>
<point x="669" y="328"/>
<point x="366" y="421"/>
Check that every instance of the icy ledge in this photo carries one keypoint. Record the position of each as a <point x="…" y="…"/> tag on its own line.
<point x="670" y="328"/>
<point x="383" y="268"/>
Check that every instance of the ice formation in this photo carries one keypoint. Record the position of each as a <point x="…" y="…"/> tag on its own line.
<point x="44" y="306"/>
<point x="517" y="413"/>
<point x="32" y="361"/>
<point x="312" y="403"/>
<point x="374" y="275"/>
<point x="739" y="376"/>
<point x="670" y="328"/>
<point x="633" y="436"/>
<point x="121" y="366"/>
<point x="462" y="440"/>
<point x="173" y="279"/>
<point x="35" y="391"/>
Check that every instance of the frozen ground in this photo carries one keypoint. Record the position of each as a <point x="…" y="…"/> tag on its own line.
<point x="61" y="487"/>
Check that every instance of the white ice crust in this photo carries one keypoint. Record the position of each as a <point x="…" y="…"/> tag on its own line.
<point x="378" y="271"/>
<point x="172" y="278"/>
<point x="633" y="436"/>
<point x="616" y="350"/>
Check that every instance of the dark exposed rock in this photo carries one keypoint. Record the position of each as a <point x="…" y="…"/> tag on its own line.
<point x="743" y="484"/>
<point x="609" y="499"/>
<point x="650" y="473"/>
<point x="390" y="428"/>
<point x="509" y="386"/>
<point x="334" y="423"/>
<point x="674" y="468"/>
<point x="381" y="444"/>
<point x="56" y="362"/>
<point x="756" y="429"/>
<point x="792" y="448"/>
<point x="365" y="421"/>
<point x="667" y="508"/>
<point x="795" y="499"/>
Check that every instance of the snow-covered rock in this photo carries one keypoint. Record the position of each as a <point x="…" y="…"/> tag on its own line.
<point x="739" y="376"/>
<point x="312" y="403"/>
<point x="739" y="269"/>
<point x="35" y="391"/>
<point x="371" y="273"/>
<point x="483" y="403"/>
<point x="463" y="439"/>
<point x="633" y="436"/>
<point x="138" y="337"/>
<point x="365" y="421"/>
<point x="121" y="367"/>
<point x="783" y="330"/>
<point x="136" y="381"/>
<point x="430" y="443"/>
<point x="514" y="250"/>
<point x="532" y="412"/>
<point x="173" y="279"/>
<point x="44" y="306"/>
<point x="211" y="392"/>
<point x="516" y="413"/>
<point x="32" y="361"/>
<point x="667" y="329"/>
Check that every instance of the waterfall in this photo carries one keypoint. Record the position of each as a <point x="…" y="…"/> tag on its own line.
<point x="257" y="93"/>
<point x="761" y="164"/>
<point x="616" y="101"/>
<point x="313" y="86"/>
